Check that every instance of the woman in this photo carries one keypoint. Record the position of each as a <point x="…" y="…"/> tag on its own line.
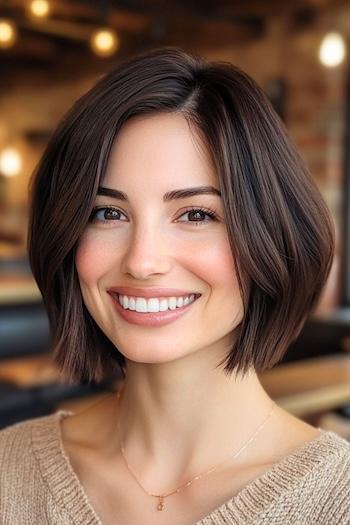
<point x="176" y="237"/>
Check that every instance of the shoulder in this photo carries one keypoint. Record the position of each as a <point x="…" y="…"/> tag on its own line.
<point x="21" y="433"/>
<point x="15" y="442"/>
<point x="322" y="492"/>
<point x="332" y="456"/>
<point x="311" y="485"/>
<point x="332" y="478"/>
<point x="20" y="443"/>
<point x="32" y="481"/>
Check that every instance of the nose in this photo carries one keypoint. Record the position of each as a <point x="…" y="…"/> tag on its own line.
<point x="146" y="253"/>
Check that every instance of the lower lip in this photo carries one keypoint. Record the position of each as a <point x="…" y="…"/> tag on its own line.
<point x="151" y="318"/>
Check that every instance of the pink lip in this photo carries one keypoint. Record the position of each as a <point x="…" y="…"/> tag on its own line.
<point x="152" y="318"/>
<point x="149" y="292"/>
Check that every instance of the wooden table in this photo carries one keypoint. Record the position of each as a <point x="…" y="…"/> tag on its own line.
<point x="310" y="386"/>
<point x="18" y="289"/>
<point x="303" y="388"/>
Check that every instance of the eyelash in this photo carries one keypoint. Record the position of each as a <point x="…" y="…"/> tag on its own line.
<point x="213" y="216"/>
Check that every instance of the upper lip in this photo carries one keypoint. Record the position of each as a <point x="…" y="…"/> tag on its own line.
<point x="150" y="292"/>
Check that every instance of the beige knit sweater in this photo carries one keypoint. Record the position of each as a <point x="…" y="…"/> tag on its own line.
<point x="38" y="485"/>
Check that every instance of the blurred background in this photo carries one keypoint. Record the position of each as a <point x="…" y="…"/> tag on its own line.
<point x="51" y="52"/>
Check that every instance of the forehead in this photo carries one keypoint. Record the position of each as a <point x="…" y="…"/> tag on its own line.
<point x="158" y="152"/>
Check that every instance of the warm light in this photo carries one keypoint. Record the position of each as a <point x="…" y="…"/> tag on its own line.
<point x="39" y="8"/>
<point x="332" y="50"/>
<point x="8" y="33"/>
<point x="10" y="162"/>
<point x="104" y="42"/>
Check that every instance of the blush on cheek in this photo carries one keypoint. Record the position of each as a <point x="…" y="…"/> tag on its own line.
<point x="216" y="265"/>
<point x="92" y="259"/>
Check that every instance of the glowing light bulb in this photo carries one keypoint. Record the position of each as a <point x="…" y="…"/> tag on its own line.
<point x="39" y="8"/>
<point x="104" y="42"/>
<point x="10" y="162"/>
<point x="8" y="33"/>
<point x="332" y="50"/>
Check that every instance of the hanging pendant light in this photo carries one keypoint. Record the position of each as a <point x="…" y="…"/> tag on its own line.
<point x="8" y="33"/>
<point x="104" y="42"/>
<point x="332" y="49"/>
<point x="39" y="8"/>
<point x="10" y="162"/>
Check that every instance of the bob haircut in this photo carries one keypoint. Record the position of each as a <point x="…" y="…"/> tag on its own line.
<point x="280" y="230"/>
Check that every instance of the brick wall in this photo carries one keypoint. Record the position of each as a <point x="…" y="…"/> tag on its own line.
<point x="315" y="103"/>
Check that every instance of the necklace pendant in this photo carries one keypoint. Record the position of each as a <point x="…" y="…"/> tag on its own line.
<point x="160" y="505"/>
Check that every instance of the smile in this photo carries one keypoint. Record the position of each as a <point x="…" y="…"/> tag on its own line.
<point x="153" y="311"/>
<point x="154" y="304"/>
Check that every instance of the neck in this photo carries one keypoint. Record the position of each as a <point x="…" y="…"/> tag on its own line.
<point x="175" y="423"/>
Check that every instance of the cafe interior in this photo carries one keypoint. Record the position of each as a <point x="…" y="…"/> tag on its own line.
<point x="52" y="51"/>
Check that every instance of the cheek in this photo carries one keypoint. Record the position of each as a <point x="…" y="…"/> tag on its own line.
<point x="93" y="258"/>
<point x="215" y="263"/>
<point x="216" y="266"/>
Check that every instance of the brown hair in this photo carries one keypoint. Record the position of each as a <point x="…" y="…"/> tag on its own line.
<point x="279" y="228"/>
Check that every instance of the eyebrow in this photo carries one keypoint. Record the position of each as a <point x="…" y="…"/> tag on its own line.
<point x="169" y="196"/>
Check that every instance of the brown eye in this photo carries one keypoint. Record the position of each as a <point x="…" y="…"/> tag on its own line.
<point x="196" y="214"/>
<point x="110" y="214"/>
<point x="104" y="214"/>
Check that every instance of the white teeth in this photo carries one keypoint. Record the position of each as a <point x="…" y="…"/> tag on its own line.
<point x="180" y="302"/>
<point x="141" y="304"/>
<point x="163" y="305"/>
<point x="154" y="304"/>
<point x="172" y="303"/>
<point x="132" y="304"/>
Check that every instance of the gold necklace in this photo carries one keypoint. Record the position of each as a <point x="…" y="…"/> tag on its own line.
<point x="160" y="505"/>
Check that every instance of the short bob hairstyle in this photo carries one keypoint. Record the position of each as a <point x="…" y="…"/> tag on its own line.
<point x="280" y="230"/>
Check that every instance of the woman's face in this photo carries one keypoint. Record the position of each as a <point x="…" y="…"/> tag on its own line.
<point x="149" y="242"/>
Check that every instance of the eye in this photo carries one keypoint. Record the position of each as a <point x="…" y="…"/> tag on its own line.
<point x="192" y="212"/>
<point x="109" y="214"/>
<point x="104" y="214"/>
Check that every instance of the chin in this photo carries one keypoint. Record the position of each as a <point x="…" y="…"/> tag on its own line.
<point x="152" y="355"/>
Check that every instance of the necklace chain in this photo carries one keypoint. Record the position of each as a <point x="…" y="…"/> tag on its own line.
<point x="160" y="505"/>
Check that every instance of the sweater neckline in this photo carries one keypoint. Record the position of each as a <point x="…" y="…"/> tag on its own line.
<point x="68" y="492"/>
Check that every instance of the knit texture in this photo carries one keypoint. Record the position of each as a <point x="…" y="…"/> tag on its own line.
<point x="39" y="486"/>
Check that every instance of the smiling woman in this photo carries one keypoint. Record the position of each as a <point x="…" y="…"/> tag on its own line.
<point x="175" y="235"/>
<point x="222" y="130"/>
<point x="147" y="243"/>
